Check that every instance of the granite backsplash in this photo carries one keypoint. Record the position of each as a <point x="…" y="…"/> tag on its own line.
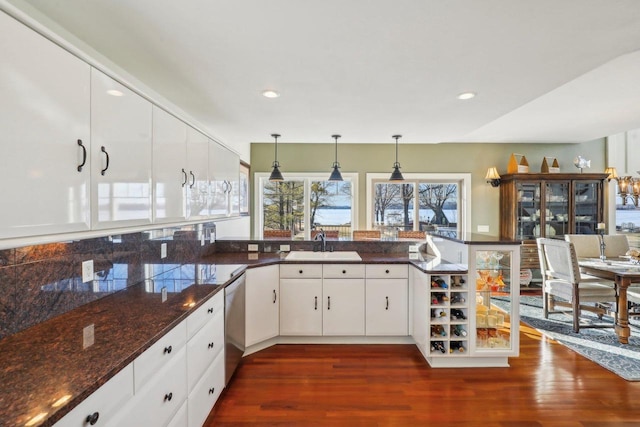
<point x="40" y="282"/>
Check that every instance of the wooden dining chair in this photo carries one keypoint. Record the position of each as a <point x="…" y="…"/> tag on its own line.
<point x="366" y="234"/>
<point x="328" y="234"/>
<point x="588" y="245"/>
<point x="276" y="234"/>
<point x="561" y="278"/>
<point x="412" y="234"/>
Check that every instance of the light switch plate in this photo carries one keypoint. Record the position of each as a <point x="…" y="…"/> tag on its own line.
<point x="285" y="248"/>
<point x="163" y="250"/>
<point x="87" y="271"/>
<point x="414" y="248"/>
<point x="483" y="229"/>
<point x="88" y="336"/>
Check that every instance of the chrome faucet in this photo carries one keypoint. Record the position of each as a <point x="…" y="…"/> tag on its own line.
<point x="321" y="236"/>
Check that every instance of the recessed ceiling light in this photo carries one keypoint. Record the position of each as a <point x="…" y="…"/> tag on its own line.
<point x="270" y="94"/>
<point x="467" y="95"/>
<point x="114" y="92"/>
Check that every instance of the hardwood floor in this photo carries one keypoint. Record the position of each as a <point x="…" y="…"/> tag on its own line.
<point x="392" y="385"/>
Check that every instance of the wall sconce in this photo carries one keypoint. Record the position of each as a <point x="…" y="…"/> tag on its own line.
<point x="629" y="187"/>
<point x="612" y="173"/>
<point x="493" y="177"/>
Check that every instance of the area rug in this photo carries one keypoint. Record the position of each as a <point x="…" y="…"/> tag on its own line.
<point x="598" y="345"/>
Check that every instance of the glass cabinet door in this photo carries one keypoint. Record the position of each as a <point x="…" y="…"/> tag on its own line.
<point x="528" y="203"/>
<point x="497" y="300"/>
<point x="586" y="214"/>
<point x="556" y="216"/>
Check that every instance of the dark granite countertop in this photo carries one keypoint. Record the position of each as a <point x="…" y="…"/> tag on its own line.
<point x="46" y="363"/>
<point x="474" y="238"/>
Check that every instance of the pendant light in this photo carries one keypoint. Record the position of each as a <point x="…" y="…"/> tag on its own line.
<point x="396" y="175"/>
<point x="336" y="175"/>
<point x="275" y="173"/>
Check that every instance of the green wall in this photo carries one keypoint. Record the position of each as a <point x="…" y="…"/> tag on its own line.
<point x="472" y="158"/>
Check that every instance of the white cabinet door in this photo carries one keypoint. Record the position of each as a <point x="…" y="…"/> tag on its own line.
<point x="169" y="167"/>
<point x="44" y="112"/>
<point x="343" y="307"/>
<point x="387" y="307"/>
<point x="121" y="154"/>
<point x="225" y="177"/>
<point x="301" y="307"/>
<point x="206" y="393"/>
<point x="262" y="305"/>
<point x="420" y="285"/>
<point x="198" y="192"/>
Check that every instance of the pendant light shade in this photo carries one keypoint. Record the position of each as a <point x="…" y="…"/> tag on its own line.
<point x="336" y="175"/>
<point x="396" y="175"/>
<point x="275" y="173"/>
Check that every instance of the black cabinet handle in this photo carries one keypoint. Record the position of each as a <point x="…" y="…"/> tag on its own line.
<point x="300" y="271"/>
<point x="344" y="271"/>
<point x="84" y="156"/>
<point x="315" y="304"/>
<point x="104" y="150"/>
<point x="193" y="179"/>
<point x="210" y="310"/>
<point x="167" y="350"/>
<point x="386" y="271"/>
<point x="210" y="345"/>
<point x="168" y="397"/>
<point x="212" y="390"/>
<point x="184" y="174"/>
<point x="328" y="303"/>
<point x="93" y="418"/>
<point x="275" y="296"/>
<point x="387" y="307"/>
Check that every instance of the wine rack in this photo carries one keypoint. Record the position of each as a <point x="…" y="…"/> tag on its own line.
<point x="449" y="316"/>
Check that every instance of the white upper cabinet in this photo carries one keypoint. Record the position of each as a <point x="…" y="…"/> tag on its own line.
<point x="120" y="154"/>
<point x="198" y="194"/>
<point x="44" y="122"/>
<point x="170" y="175"/>
<point x="225" y="180"/>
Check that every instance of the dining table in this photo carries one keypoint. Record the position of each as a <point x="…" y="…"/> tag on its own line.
<point x="624" y="272"/>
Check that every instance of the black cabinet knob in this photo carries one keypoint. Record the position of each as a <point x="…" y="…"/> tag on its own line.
<point x="344" y="271"/>
<point x="167" y="350"/>
<point x="212" y="390"/>
<point x="386" y="271"/>
<point x="300" y="271"/>
<point x="210" y="310"/>
<point x="168" y="397"/>
<point x="93" y="418"/>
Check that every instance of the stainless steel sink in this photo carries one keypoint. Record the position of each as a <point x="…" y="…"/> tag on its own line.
<point x="323" y="256"/>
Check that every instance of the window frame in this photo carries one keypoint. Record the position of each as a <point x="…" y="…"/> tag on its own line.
<point x="464" y="194"/>
<point x="261" y="177"/>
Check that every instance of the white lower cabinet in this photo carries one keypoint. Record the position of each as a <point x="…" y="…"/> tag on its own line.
<point x="180" y="419"/>
<point x="387" y="295"/>
<point x="343" y="307"/>
<point x="101" y="407"/>
<point x="262" y="304"/>
<point x="203" y="348"/>
<point x="206" y="392"/>
<point x="301" y="307"/>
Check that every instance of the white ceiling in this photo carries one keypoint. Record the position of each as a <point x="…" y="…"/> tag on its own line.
<point x="543" y="70"/>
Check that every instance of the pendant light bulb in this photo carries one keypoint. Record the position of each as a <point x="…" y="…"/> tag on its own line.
<point x="276" y="175"/>
<point x="336" y="175"/>
<point x="396" y="175"/>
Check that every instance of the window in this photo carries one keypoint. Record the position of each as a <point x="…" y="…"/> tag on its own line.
<point x="442" y="201"/>
<point x="286" y="209"/>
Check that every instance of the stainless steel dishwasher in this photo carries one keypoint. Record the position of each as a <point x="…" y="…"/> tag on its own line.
<point x="234" y="342"/>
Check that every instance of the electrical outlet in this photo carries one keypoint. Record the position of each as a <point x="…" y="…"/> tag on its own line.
<point x="163" y="250"/>
<point x="483" y="229"/>
<point x="202" y="239"/>
<point x="414" y="248"/>
<point x="87" y="271"/>
<point x="285" y="248"/>
<point x="164" y="293"/>
<point x="252" y="247"/>
<point x="88" y="336"/>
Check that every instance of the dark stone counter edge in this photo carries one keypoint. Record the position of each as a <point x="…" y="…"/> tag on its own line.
<point x="263" y="259"/>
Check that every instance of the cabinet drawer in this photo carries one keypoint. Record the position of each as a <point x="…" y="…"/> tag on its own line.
<point x="529" y="256"/>
<point x="346" y="271"/>
<point x="179" y="419"/>
<point x="158" y="355"/>
<point x="105" y="402"/>
<point x="206" y="392"/>
<point x="304" y="271"/>
<point x="162" y="396"/>
<point x="386" y="271"/>
<point x="203" y="348"/>
<point x="204" y="313"/>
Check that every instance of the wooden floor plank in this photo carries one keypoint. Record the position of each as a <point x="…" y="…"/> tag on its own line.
<point x="392" y="385"/>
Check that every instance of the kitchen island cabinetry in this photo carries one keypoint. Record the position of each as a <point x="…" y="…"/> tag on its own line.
<point x="44" y="117"/>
